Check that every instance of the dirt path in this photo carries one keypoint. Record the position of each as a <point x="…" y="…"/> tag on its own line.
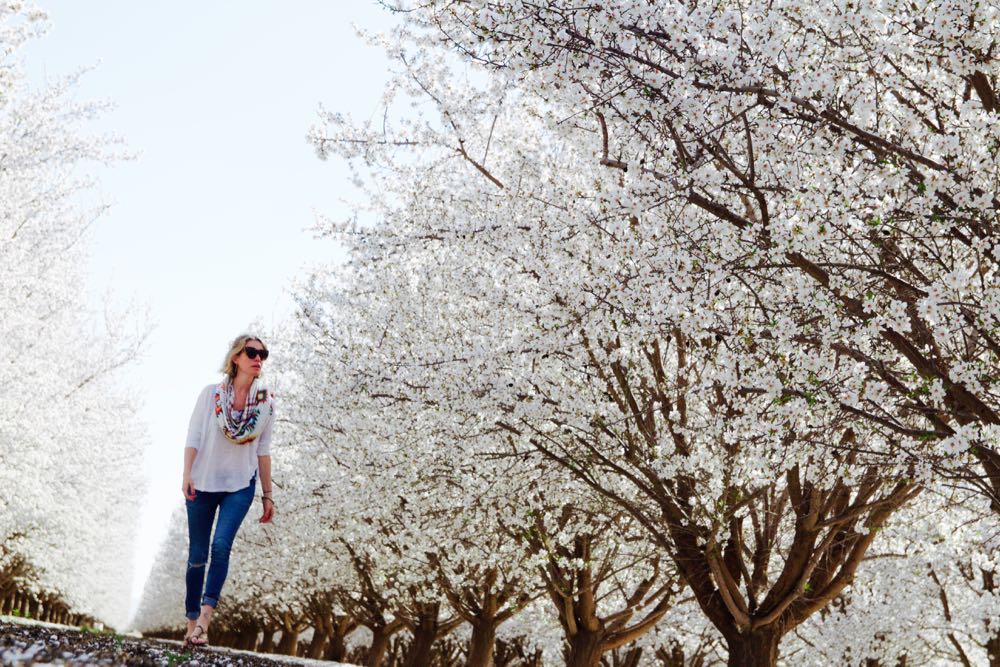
<point x="24" y="642"/>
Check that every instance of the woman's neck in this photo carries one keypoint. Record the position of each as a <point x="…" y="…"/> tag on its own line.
<point x="242" y="382"/>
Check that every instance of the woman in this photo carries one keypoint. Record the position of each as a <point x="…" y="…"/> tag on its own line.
<point x="228" y="445"/>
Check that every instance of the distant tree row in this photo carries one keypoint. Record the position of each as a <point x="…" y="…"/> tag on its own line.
<point x="70" y="444"/>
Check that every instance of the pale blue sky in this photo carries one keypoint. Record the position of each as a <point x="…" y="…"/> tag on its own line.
<point x="209" y="224"/>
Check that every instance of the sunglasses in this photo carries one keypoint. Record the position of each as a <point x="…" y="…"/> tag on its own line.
<point x="253" y="352"/>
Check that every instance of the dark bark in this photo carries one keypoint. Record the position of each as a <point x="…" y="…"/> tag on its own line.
<point x="267" y="643"/>
<point x="993" y="650"/>
<point x="481" y="644"/>
<point x="424" y="631"/>
<point x="623" y="658"/>
<point x="289" y="642"/>
<point x="246" y="640"/>
<point x="513" y="652"/>
<point x="875" y="662"/>
<point x="426" y="627"/>
<point x="584" y="649"/>
<point x="336" y="648"/>
<point x="318" y="644"/>
<point x="758" y="648"/>
<point x="380" y="642"/>
<point x="673" y="656"/>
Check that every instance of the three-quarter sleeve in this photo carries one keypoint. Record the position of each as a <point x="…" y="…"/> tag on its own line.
<point x="264" y="442"/>
<point x="197" y="423"/>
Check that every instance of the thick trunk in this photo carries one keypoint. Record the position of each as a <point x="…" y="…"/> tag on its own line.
<point x="289" y="642"/>
<point x="247" y="640"/>
<point x="267" y="644"/>
<point x="419" y="654"/>
<point x="318" y="643"/>
<point x="754" y="649"/>
<point x="380" y="642"/>
<point x="584" y="649"/>
<point x="481" y="644"/>
<point x="337" y="648"/>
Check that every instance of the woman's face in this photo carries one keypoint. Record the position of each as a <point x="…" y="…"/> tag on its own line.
<point x="246" y="365"/>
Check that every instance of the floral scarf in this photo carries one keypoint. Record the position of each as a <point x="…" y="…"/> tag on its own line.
<point x="241" y="427"/>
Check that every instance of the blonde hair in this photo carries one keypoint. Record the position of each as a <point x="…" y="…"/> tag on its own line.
<point x="229" y="366"/>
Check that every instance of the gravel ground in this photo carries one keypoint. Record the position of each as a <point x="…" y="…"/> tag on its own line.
<point x="33" y="643"/>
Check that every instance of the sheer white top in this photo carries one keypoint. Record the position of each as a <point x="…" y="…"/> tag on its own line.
<point x="219" y="464"/>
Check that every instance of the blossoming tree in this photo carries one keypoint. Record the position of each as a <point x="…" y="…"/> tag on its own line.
<point x="69" y="431"/>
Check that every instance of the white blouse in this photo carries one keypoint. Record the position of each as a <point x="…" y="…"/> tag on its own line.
<point x="219" y="464"/>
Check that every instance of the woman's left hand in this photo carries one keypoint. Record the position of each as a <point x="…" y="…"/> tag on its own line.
<point x="268" y="510"/>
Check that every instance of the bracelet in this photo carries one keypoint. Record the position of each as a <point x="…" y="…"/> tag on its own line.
<point x="263" y="498"/>
<point x="266" y="494"/>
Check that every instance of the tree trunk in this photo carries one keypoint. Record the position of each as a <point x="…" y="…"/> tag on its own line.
<point x="267" y="643"/>
<point x="754" y="649"/>
<point x="247" y="640"/>
<point x="336" y="650"/>
<point x="481" y="644"/>
<point x="584" y="649"/>
<point x="419" y="654"/>
<point x="380" y="642"/>
<point x="318" y="643"/>
<point x="288" y="643"/>
<point x="993" y="650"/>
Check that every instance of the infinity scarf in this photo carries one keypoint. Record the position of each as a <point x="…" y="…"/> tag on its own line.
<point x="242" y="427"/>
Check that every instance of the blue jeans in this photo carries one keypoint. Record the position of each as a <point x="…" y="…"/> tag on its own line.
<point x="233" y="507"/>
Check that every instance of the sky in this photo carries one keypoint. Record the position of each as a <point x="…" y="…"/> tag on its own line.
<point x="210" y="224"/>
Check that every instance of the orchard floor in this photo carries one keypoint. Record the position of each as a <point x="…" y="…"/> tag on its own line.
<point x="25" y="642"/>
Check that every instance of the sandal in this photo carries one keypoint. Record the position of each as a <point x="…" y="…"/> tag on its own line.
<point x="198" y="636"/>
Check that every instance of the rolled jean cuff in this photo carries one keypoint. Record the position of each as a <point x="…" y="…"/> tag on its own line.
<point x="211" y="602"/>
<point x="192" y="615"/>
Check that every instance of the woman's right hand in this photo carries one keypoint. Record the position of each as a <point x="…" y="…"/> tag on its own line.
<point x="187" y="488"/>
